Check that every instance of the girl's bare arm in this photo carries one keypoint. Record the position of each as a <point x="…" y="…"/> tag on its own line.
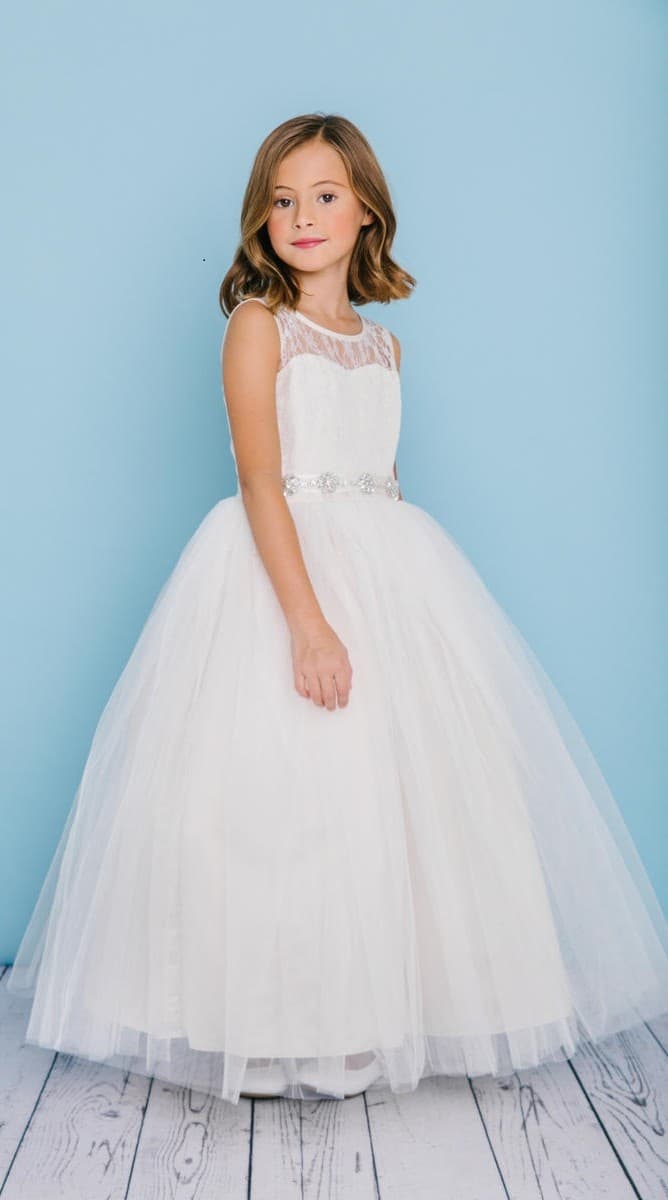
<point x="251" y="357"/>
<point x="397" y="358"/>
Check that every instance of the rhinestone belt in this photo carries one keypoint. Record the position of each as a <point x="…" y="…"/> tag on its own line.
<point x="328" y="482"/>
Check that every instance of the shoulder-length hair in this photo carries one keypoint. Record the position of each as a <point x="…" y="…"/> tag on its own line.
<point x="258" y="271"/>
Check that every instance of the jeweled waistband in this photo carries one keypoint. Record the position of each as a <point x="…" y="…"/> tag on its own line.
<point x="328" y="482"/>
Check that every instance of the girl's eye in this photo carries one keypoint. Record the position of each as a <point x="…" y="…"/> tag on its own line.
<point x="280" y="204"/>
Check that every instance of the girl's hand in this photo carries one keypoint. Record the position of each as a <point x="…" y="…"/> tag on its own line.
<point x="322" y="670"/>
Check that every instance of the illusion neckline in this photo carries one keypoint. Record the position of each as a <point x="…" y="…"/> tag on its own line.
<point x="348" y="337"/>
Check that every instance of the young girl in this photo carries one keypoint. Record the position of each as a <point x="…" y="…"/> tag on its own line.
<point x="336" y="828"/>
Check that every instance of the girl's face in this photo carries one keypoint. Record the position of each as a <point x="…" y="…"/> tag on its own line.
<point x="313" y="200"/>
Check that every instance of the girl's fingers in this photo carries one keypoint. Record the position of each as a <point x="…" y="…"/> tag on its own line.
<point x="314" y="690"/>
<point x="343" y="686"/>
<point x="328" y="689"/>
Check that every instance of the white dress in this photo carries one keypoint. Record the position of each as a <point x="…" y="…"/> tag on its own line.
<point x="434" y="879"/>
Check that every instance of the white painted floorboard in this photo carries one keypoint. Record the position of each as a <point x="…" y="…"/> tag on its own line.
<point x="594" y="1128"/>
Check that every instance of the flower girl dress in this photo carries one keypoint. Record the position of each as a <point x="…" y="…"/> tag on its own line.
<point x="254" y="893"/>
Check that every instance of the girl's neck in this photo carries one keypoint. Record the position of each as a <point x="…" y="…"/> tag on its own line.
<point x="341" y="316"/>
<point x="328" y="302"/>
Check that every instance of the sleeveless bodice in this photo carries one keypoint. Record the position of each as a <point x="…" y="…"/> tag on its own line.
<point x="338" y="400"/>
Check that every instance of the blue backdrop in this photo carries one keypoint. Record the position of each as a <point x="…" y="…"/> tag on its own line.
<point x="525" y="148"/>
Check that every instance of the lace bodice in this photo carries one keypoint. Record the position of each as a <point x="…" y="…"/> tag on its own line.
<point x="338" y="397"/>
<point x="300" y="335"/>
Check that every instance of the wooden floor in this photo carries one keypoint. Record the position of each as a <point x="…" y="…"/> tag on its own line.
<point x="592" y="1128"/>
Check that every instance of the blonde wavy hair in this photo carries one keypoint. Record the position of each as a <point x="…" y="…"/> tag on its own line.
<point x="257" y="270"/>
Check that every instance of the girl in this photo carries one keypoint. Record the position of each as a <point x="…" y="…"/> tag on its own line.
<point x="336" y="828"/>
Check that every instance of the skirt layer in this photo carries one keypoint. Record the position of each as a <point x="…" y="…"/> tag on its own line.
<point x="434" y="879"/>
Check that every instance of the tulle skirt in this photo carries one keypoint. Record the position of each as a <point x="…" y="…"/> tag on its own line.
<point x="434" y="879"/>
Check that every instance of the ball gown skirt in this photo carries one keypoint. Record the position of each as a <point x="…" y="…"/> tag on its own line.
<point x="435" y="878"/>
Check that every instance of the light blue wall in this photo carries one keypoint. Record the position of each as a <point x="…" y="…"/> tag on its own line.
<point x="525" y="147"/>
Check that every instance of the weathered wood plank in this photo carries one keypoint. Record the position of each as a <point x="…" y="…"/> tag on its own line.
<point x="25" y="1069"/>
<point x="336" y="1150"/>
<point x="312" y="1149"/>
<point x="546" y="1139"/>
<point x="431" y="1143"/>
<point x="276" y="1163"/>
<point x="192" y="1146"/>
<point x="626" y="1080"/>
<point x="81" y="1139"/>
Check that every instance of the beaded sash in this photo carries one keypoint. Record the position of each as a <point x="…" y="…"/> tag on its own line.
<point x="328" y="482"/>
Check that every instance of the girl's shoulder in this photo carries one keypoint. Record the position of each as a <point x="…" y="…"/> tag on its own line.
<point x="250" y="300"/>
<point x="240" y="304"/>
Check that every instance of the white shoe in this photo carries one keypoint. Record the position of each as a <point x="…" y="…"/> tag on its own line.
<point x="355" y="1079"/>
<point x="263" y="1079"/>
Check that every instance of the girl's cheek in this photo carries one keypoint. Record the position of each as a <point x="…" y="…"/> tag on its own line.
<point x="341" y="221"/>
<point x="273" y="228"/>
<point x="279" y="220"/>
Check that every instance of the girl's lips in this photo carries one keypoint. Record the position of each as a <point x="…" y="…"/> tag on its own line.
<point x="309" y="242"/>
